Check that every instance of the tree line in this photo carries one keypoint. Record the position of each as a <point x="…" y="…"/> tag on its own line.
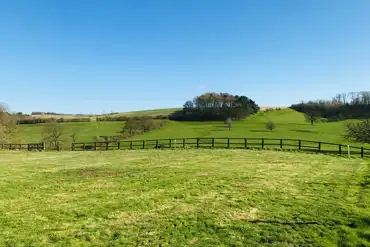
<point x="216" y="107"/>
<point x="342" y="106"/>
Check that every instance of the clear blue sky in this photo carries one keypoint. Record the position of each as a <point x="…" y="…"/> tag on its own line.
<point x="86" y="56"/>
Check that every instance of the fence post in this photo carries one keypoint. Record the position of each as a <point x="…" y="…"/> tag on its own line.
<point x="245" y="143"/>
<point x="281" y="143"/>
<point x="228" y="142"/>
<point x="28" y="147"/>
<point x="83" y="147"/>
<point x="299" y="145"/>
<point x="2" y="146"/>
<point x="10" y="147"/>
<point x="319" y="147"/>
<point x="170" y="143"/>
<point x="156" y="143"/>
<point x="183" y="142"/>
<point x="340" y="149"/>
<point x="130" y="144"/>
<point x="263" y="143"/>
<point x="119" y="145"/>
<point x="197" y="142"/>
<point x="213" y="142"/>
<point x="362" y="152"/>
<point x="43" y="146"/>
<point x="143" y="144"/>
<point x="95" y="146"/>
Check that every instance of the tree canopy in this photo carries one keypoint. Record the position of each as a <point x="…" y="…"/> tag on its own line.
<point x="216" y="106"/>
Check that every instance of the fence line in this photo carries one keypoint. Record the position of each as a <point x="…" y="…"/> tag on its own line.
<point x="20" y="147"/>
<point x="222" y="142"/>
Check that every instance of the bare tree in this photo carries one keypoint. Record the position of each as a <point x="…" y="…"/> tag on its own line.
<point x="73" y="135"/>
<point x="7" y="125"/>
<point x="270" y="125"/>
<point x="229" y="122"/>
<point x="358" y="131"/>
<point x="53" y="134"/>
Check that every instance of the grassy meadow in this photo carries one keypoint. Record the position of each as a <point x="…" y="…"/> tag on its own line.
<point x="183" y="198"/>
<point x="289" y="124"/>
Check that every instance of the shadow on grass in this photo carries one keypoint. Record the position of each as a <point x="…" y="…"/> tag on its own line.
<point x="304" y="131"/>
<point x="260" y="131"/>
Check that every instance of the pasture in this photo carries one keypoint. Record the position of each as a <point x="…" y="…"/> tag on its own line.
<point x="183" y="198"/>
<point x="289" y="124"/>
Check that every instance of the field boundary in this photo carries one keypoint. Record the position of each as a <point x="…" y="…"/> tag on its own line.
<point x="228" y="143"/>
<point x="20" y="147"/>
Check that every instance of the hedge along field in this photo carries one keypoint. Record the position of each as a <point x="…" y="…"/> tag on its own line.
<point x="183" y="198"/>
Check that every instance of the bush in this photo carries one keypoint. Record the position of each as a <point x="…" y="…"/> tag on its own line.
<point x="139" y="125"/>
<point x="270" y="125"/>
<point x="358" y="131"/>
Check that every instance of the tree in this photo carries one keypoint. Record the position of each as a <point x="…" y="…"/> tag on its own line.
<point x="358" y="131"/>
<point x="7" y="125"/>
<point x="53" y="133"/>
<point x="312" y="116"/>
<point x="228" y="121"/>
<point x="270" y="125"/>
<point x="73" y="135"/>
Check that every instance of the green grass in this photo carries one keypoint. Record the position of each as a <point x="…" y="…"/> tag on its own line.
<point x="289" y="124"/>
<point x="183" y="198"/>
<point x="31" y="133"/>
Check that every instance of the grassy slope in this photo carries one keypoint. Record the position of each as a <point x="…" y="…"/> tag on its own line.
<point x="290" y="124"/>
<point x="147" y="112"/>
<point x="33" y="132"/>
<point x="183" y="198"/>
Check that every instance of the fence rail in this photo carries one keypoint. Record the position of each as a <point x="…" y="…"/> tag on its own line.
<point x="20" y="147"/>
<point x="235" y="143"/>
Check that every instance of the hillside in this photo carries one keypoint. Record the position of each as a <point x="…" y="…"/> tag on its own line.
<point x="289" y="124"/>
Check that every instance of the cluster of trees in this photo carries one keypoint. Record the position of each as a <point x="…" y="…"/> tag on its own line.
<point x="342" y="106"/>
<point x="126" y="118"/>
<point x="140" y="125"/>
<point x="216" y="107"/>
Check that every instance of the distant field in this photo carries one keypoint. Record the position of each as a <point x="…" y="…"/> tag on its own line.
<point x="183" y="198"/>
<point x="148" y="112"/>
<point x="290" y="124"/>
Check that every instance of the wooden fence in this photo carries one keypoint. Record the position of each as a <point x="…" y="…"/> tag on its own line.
<point x="20" y="147"/>
<point x="235" y="143"/>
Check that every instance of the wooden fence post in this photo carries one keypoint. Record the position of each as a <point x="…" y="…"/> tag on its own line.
<point x="143" y="144"/>
<point x="130" y="144"/>
<point x="281" y="143"/>
<point x="213" y="142"/>
<point x="228" y="142"/>
<point x="197" y="142"/>
<point x="95" y="145"/>
<point x="106" y="146"/>
<point x="83" y="147"/>
<point x="362" y="152"/>
<point x="183" y="142"/>
<point x="245" y="143"/>
<point x="119" y="145"/>
<point x="170" y="143"/>
<point x="263" y="143"/>
<point x="299" y="145"/>
<point x="156" y="143"/>
<point x="10" y="147"/>
<point x="319" y="147"/>
<point x="43" y="146"/>
<point x="28" y="147"/>
<point x="340" y="149"/>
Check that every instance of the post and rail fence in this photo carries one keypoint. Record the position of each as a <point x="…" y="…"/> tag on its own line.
<point x="228" y="143"/>
<point x="211" y="143"/>
<point x="20" y="147"/>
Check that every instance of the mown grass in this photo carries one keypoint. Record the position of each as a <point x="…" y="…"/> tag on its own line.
<point x="183" y="198"/>
<point x="289" y="124"/>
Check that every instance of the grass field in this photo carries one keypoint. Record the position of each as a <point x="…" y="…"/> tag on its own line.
<point x="290" y="124"/>
<point x="183" y="198"/>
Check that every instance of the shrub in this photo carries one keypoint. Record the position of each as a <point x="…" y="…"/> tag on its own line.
<point x="358" y="131"/>
<point x="270" y="125"/>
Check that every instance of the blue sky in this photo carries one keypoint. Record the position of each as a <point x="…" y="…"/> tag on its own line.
<point x="80" y="56"/>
